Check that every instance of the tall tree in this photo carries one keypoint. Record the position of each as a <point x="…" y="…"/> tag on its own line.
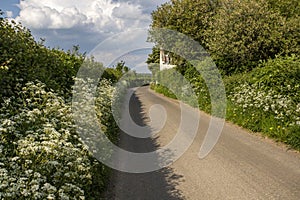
<point x="243" y="33"/>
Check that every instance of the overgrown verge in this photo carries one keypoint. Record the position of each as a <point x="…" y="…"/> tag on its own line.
<point x="23" y="60"/>
<point x="265" y="100"/>
<point x="41" y="154"/>
<point x="162" y="90"/>
<point x="255" y="45"/>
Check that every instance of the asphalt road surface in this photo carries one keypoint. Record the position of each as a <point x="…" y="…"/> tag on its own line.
<point x="242" y="165"/>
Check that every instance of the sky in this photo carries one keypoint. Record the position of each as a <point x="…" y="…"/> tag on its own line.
<point x="107" y="29"/>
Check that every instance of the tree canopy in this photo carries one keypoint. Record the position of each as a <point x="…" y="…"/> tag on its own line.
<point x="238" y="34"/>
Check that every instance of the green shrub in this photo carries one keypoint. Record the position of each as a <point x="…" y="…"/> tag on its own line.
<point x="268" y="99"/>
<point x="188" y="17"/>
<point x="200" y="88"/>
<point x="240" y="36"/>
<point x="265" y="100"/>
<point x="287" y="8"/>
<point x="244" y="32"/>
<point x="165" y="91"/>
<point x="41" y="155"/>
<point x="23" y="60"/>
<point x="281" y="74"/>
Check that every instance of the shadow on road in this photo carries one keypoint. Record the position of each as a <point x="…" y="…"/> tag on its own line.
<point x="160" y="184"/>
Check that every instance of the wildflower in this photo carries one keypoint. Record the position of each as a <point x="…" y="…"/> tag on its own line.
<point x="40" y="138"/>
<point x="51" y="196"/>
<point x="15" y="159"/>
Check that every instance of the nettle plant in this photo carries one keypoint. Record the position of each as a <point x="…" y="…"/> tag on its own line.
<point x="41" y="155"/>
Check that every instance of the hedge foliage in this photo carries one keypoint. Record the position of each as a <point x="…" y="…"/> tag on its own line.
<point x="255" y="45"/>
<point x="23" y="59"/>
<point x="237" y="34"/>
<point x="41" y="153"/>
<point x="265" y="100"/>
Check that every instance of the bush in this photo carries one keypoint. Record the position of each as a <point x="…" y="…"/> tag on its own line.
<point x="287" y="8"/>
<point x="41" y="155"/>
<point x="267" y="99"/>
<point x="242" y="33"/>
<point x="281" y="74"/>
<point x="240" y="36"/>
<point x="188" y="17"/>
<point x="23" y="60"/>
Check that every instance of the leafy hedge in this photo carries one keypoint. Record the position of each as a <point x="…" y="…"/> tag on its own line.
<point x="255" y="44"/>
<point x="23" y="59"/>
<point x="265" y="100"/>
<point x="41" y="154"/>
<point x="268" y="99"/>
<point x="243" y="33"/>
<point x="237" y="34"/>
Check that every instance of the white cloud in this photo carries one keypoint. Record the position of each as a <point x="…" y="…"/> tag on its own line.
<point x="64" y="23"/>
<point x="122" y="45"/>
<point x="98" y="15"/>
<point x="145" y="4"/>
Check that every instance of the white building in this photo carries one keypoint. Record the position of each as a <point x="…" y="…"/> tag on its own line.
<point x="165" y="61"/>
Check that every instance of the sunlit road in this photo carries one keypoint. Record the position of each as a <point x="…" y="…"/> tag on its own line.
<point x="241" y="166"/>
